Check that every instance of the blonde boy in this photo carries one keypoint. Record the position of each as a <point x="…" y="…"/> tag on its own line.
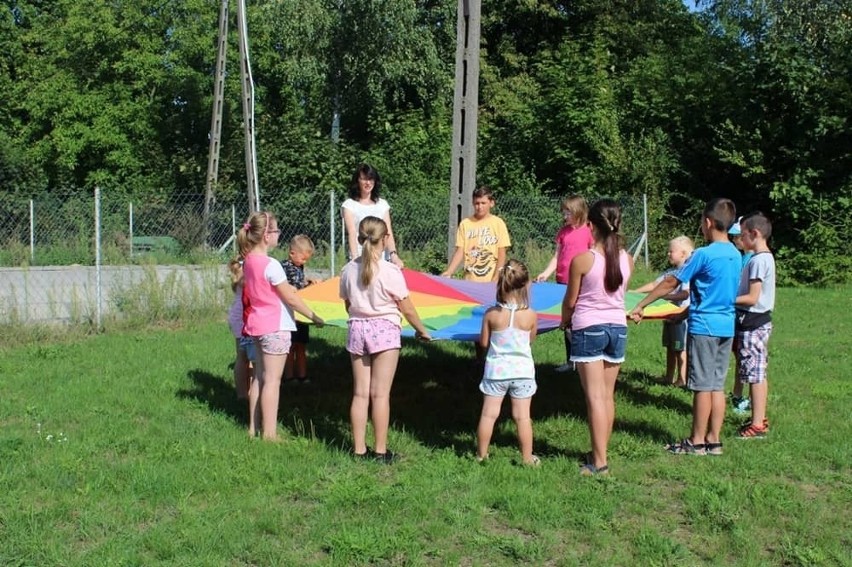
<point x="674" y="331"/>
<point x="301" y="250"/>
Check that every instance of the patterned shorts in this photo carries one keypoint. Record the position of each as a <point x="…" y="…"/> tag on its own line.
<point x="753" y="354"/>
<point x="372" y="336"/>
<point x="275" y="343"/>
<point x="518" y="388"/>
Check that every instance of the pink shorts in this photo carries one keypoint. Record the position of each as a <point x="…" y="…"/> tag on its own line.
<point x="371" y="336"/>
<point x="274" y="343"/>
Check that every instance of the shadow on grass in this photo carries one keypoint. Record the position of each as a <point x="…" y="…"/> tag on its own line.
<point x="435" y="398"/>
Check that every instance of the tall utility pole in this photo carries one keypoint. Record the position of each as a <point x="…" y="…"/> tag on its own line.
<point x="247" y="98"/>
<point x="248" y="110"/>
<point x="216" y="120"/>
<point x="465" y="116"/>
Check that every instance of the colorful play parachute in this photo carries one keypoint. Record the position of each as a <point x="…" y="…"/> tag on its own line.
<point x="452" y="309"/>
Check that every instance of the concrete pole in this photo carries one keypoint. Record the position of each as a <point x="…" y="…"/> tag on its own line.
<point x="465" y="116"/>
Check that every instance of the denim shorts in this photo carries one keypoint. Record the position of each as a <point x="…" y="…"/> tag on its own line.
<point x="247" y="346"/>
<point x="599" y="342"/>
<point x="674" y="335"/>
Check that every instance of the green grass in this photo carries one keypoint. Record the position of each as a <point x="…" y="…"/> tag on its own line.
<point x="131" y="449"/>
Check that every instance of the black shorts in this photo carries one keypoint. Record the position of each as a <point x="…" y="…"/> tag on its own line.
<point x="301" y="334"/>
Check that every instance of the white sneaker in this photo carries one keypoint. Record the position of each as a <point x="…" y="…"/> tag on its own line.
<point x="567" y="367"/>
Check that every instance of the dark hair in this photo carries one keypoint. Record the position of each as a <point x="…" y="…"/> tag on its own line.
<point x="722" y="212"/>
<point x="483" y="191"/>
<point x="369" y="172"/>
<point x="513" y="277"/>
<point x="757" y="221"/>
<point x="605" y="216"/>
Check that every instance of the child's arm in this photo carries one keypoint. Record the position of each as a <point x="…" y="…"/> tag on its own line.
<point x="580" y="266"/>
<point x="662" y="289"/>
<point x="485" y="331"/>
<point x="391" y="247"/>
<point x="406" y="307"/>
<point x="749" y="299"/>
<point x="458" y="255"/>
<point x="288" y="295"/>
<point x="351" y="233"/>
<point x="647" y="287"/>
<point x="501" y="261"/>
<point x="551" y="267"/>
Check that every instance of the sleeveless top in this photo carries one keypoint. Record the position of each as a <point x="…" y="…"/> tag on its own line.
<point x="595" y="305"/>
<point x="509" y="352"/>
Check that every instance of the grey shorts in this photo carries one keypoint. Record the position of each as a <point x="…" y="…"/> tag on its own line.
<point x="707" y="359"/>
<point x="517" y="388"/>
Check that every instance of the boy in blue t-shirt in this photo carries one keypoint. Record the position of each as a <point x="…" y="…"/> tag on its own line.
<point x="713" y="273"/>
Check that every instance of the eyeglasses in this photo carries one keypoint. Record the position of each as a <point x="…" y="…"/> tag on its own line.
<point x="275" y="230"/>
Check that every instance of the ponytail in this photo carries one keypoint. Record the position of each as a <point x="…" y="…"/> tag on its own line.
<point x="513" y="279"/>
<point x="253" y="231"/>
<point x="371" y="231"/>
<point x="605" y="216"/>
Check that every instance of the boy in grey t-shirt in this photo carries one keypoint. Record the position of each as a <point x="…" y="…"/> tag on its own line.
<point x="755" y="302"/>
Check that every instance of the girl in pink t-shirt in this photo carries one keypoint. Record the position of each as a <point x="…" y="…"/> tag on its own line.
<point x="375" y="293"/>
<point x="593" y="309"/>
<point x="575" y="237"/>
<point x="268" y="303"/>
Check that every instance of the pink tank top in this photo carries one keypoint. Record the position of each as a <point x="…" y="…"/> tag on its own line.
<point x="596" y="306"/>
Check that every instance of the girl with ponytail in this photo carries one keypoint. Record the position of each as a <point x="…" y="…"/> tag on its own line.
<point x="375" y="294"/>
<point x="593" y="308"/>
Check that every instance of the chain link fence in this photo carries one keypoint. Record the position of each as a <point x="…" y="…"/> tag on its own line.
<point x="74" y="256"/>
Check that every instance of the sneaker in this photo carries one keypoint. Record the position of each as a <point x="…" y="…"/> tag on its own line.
<point x="751" y="431"/>
<point x="386" y="458"/>
<point x="741" y="406"/>
<point x="567" y="367"/>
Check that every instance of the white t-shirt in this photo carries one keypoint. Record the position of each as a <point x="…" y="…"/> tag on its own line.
<point x="378" y="210"/>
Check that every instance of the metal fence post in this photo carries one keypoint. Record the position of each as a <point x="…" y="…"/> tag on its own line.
<point x="331" y="225"/>
<point x="645" y="220"/>
<point x="130" y="237"/>
<point x="32" y="232"/>
<point x="234" y="227"/>
<point x="98" y="258"/>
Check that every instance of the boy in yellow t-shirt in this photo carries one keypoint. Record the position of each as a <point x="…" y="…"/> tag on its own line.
<point x="481" y="240"/>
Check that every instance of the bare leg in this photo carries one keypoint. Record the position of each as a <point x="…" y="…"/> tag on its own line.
<point x="671" y="365"/>
<point x="358" y="410"/>
<point x="598" y="380"/>
<point x="702" y="407"/>
<point x="254" y="394"/>
<point x="490" y="413"/>
<point x="681" y="368"/>
<point x="241" y="373"/>
<point x="759" y="396"/>
<point x="384" y="370"/>
<point x="300" y="363"/>
<point x="273" y="367"/>
<point x="523" y="421"/>
<point x="717" y="417"/>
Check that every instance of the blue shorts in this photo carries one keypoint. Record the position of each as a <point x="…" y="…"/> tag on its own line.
<point x="599" y="342"/>
<point x="247" y="345"/>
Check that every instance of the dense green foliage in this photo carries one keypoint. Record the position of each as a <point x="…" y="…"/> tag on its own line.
<point x="749" y="99"/>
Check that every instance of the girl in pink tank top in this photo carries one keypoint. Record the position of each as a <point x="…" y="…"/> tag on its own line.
<point x="593" y="309"/>
<point x="268" y="303"/>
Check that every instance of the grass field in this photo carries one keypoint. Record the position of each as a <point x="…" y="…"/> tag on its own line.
<point x="130" y="449"/>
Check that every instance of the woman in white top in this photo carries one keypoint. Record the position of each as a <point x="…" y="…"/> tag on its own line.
<point x="364" y="202"/>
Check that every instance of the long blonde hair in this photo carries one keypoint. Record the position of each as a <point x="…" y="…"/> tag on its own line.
<point x="252" y="232"/>
<point x="371" y="231"/>
<point x="235" y="270"/>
